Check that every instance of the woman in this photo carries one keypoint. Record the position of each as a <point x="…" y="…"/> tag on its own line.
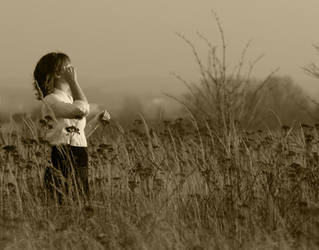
<point x="66" y="105"/>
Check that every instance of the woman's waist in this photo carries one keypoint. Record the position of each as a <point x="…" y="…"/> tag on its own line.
<point x="67" y="146"/>
<point x="63" y="123"/>
<point x="59" y="138"/>
<point x="67" y="131"/>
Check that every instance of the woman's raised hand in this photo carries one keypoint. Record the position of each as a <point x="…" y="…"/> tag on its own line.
<point x="69" y="74"/>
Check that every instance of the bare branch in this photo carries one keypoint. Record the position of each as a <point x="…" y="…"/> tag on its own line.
<point x="221" y="31"/>
<point x="242" y="58"/>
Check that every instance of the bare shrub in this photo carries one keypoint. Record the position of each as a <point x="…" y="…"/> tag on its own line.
<point x="224" y="95"/>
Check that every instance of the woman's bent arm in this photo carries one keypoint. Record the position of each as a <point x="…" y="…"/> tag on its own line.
<point x="61" y="109"/>
<point x="77" y="92"/>
<point x="70" y="76"/>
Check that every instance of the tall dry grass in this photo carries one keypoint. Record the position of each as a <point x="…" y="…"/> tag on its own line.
<point x="173" y="186"/>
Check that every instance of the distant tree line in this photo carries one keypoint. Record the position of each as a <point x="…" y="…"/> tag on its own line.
<point x="253" y="104"/>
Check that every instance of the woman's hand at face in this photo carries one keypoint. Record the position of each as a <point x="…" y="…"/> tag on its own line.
<point x="69" y="74"/>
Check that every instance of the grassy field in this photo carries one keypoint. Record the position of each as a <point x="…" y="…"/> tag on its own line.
<point x="175" y="185"/>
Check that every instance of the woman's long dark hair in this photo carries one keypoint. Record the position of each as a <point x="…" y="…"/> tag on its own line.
<point x="45" y="72"/>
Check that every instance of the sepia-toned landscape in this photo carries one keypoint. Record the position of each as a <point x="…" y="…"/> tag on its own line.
<point x="224" y="159"/>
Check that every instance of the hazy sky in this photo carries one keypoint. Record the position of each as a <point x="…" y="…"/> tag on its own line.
<point x="124" y="38"/>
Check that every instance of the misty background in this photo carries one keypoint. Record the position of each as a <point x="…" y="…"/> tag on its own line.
<point x="124" y="51"/>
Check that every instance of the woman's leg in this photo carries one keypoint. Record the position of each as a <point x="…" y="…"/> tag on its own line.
<point x="81" y="164"/>
<point x="55" y="177"/>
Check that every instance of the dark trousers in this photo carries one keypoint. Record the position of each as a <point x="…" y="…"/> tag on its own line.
<point x="69" y="171"/>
